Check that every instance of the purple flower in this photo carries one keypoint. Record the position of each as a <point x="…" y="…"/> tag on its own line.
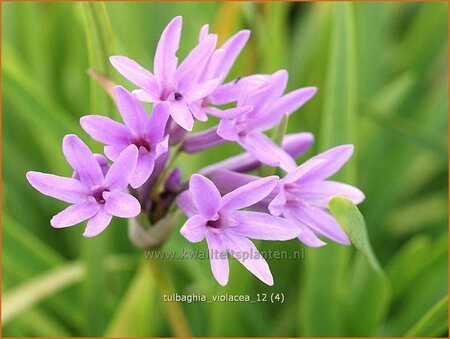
<point x="183" y="86"/>
<point x="269" y="108"/>
<point x="303" y="194"/>
<point x="223" y="58"/>
<point x="140" y="129"/>
<point x="93" y="196"/>
<point x="227" y="230"/>
<point x="263" y="108"/>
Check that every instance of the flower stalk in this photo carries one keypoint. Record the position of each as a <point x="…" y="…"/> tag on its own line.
<point x="175" y="313"/>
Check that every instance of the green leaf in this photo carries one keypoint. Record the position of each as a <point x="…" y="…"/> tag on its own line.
<point x="434" y="323"/>
<point x="324" y="278"/>
<point x="49" y="283"/>
<point x="352" y="221"/>
<point x="339" y="123"/>
<point x="38" y="323"/>
<point x="368" y="284"/>
<point x="419" y="263"/>
<point x="100" y="45"/>
<point x="39" y="288"/>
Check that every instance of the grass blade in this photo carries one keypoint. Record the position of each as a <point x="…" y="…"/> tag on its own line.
<point x="434" y="323"/>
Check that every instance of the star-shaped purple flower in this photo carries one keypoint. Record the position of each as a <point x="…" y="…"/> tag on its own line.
<point x="140" y="129"/>
<point x="269" y="107"/>
<point x="227" y="229"/>
<point x="303" y="195"/>
<point x="93" y="196"/>
<point x="183" y="86"/>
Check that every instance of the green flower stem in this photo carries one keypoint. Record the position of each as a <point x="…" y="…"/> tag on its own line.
<point x="177" y="318"/>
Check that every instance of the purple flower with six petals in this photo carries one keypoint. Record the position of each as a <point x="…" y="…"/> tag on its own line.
<point x="304" y="194"/>
<point x="182" y="87"/>
<point x="226" y="229"/>
<point x="269" y="108"/>
<point x="140" y="129"/>
<point x="93" y="196"/>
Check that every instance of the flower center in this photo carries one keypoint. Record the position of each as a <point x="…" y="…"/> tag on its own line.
<point x="178" y="96"/>
<point x="214" y="223"/>
<point x="142" y="142"/>
<point x="97" y="194"/>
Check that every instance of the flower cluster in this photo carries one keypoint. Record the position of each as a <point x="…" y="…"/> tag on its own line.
<point x="226" y="203"/>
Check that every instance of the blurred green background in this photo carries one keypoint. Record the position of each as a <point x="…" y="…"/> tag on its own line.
<point x="381" y="70"/>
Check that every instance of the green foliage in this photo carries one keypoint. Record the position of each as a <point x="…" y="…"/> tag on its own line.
<point x="381" y="71"/>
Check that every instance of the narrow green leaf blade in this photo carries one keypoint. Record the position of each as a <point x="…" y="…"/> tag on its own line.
<point x="433" y="323"/>
<point x="23" y="297"/>
<point x="324" y="280"/>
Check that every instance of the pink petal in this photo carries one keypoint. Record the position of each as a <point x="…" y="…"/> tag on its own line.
<point x="301" y="171"/>
<point x="218" y="258"/>
<point x="144" y="168"/>
<point x="266" y="151"/>
<point x="232" y="47"/>
<point x="249" y="194"/>
<point x="297" y="144"/>
<point x="132" y="111"/>
<point x="201" y="90"/>
<point x="306" y="236"/>
<point x="74" y="214"/>
<point x="198" y="112"/>
<point x="186" y="203"/>
<point x="180" y="113"/>
<point x="194" y="228"/>
<point x="294" y="144"/>
<point x="278" y="204"/>
<point x="157" y="123"/>
<point x="189" y="72"/>
<point x="162" y="147"/>
<point x="230" y="113"/>
<point x="227" y="181"/>
<point x="120" y="172"/>
<point x="285" y="105"/>
<point x="144" y="96"/>
<point x="199" y="141"/>
<point x="204" y="31"/>
<point x="137" y="74"/>
<point x="322" y="223"/>
<point x="66" y="189"/>
<point x="97" y="223"/>
<point x="228" y="130"/>
<point x="81" y="159"/>
<point x="113" y="152"/>
<point x="263" y="96"/>
<point x="320" y="192"/>
<point x="263" y="226"/>
<point x="105" y="130"/>
<point x="334" y="158"/>
<point x="205" y="195"/>
<point x="231" y="91"/>
<point x="165" y="62"/>
<point x="246" y="253"/>
<point x="122" y="205"/>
